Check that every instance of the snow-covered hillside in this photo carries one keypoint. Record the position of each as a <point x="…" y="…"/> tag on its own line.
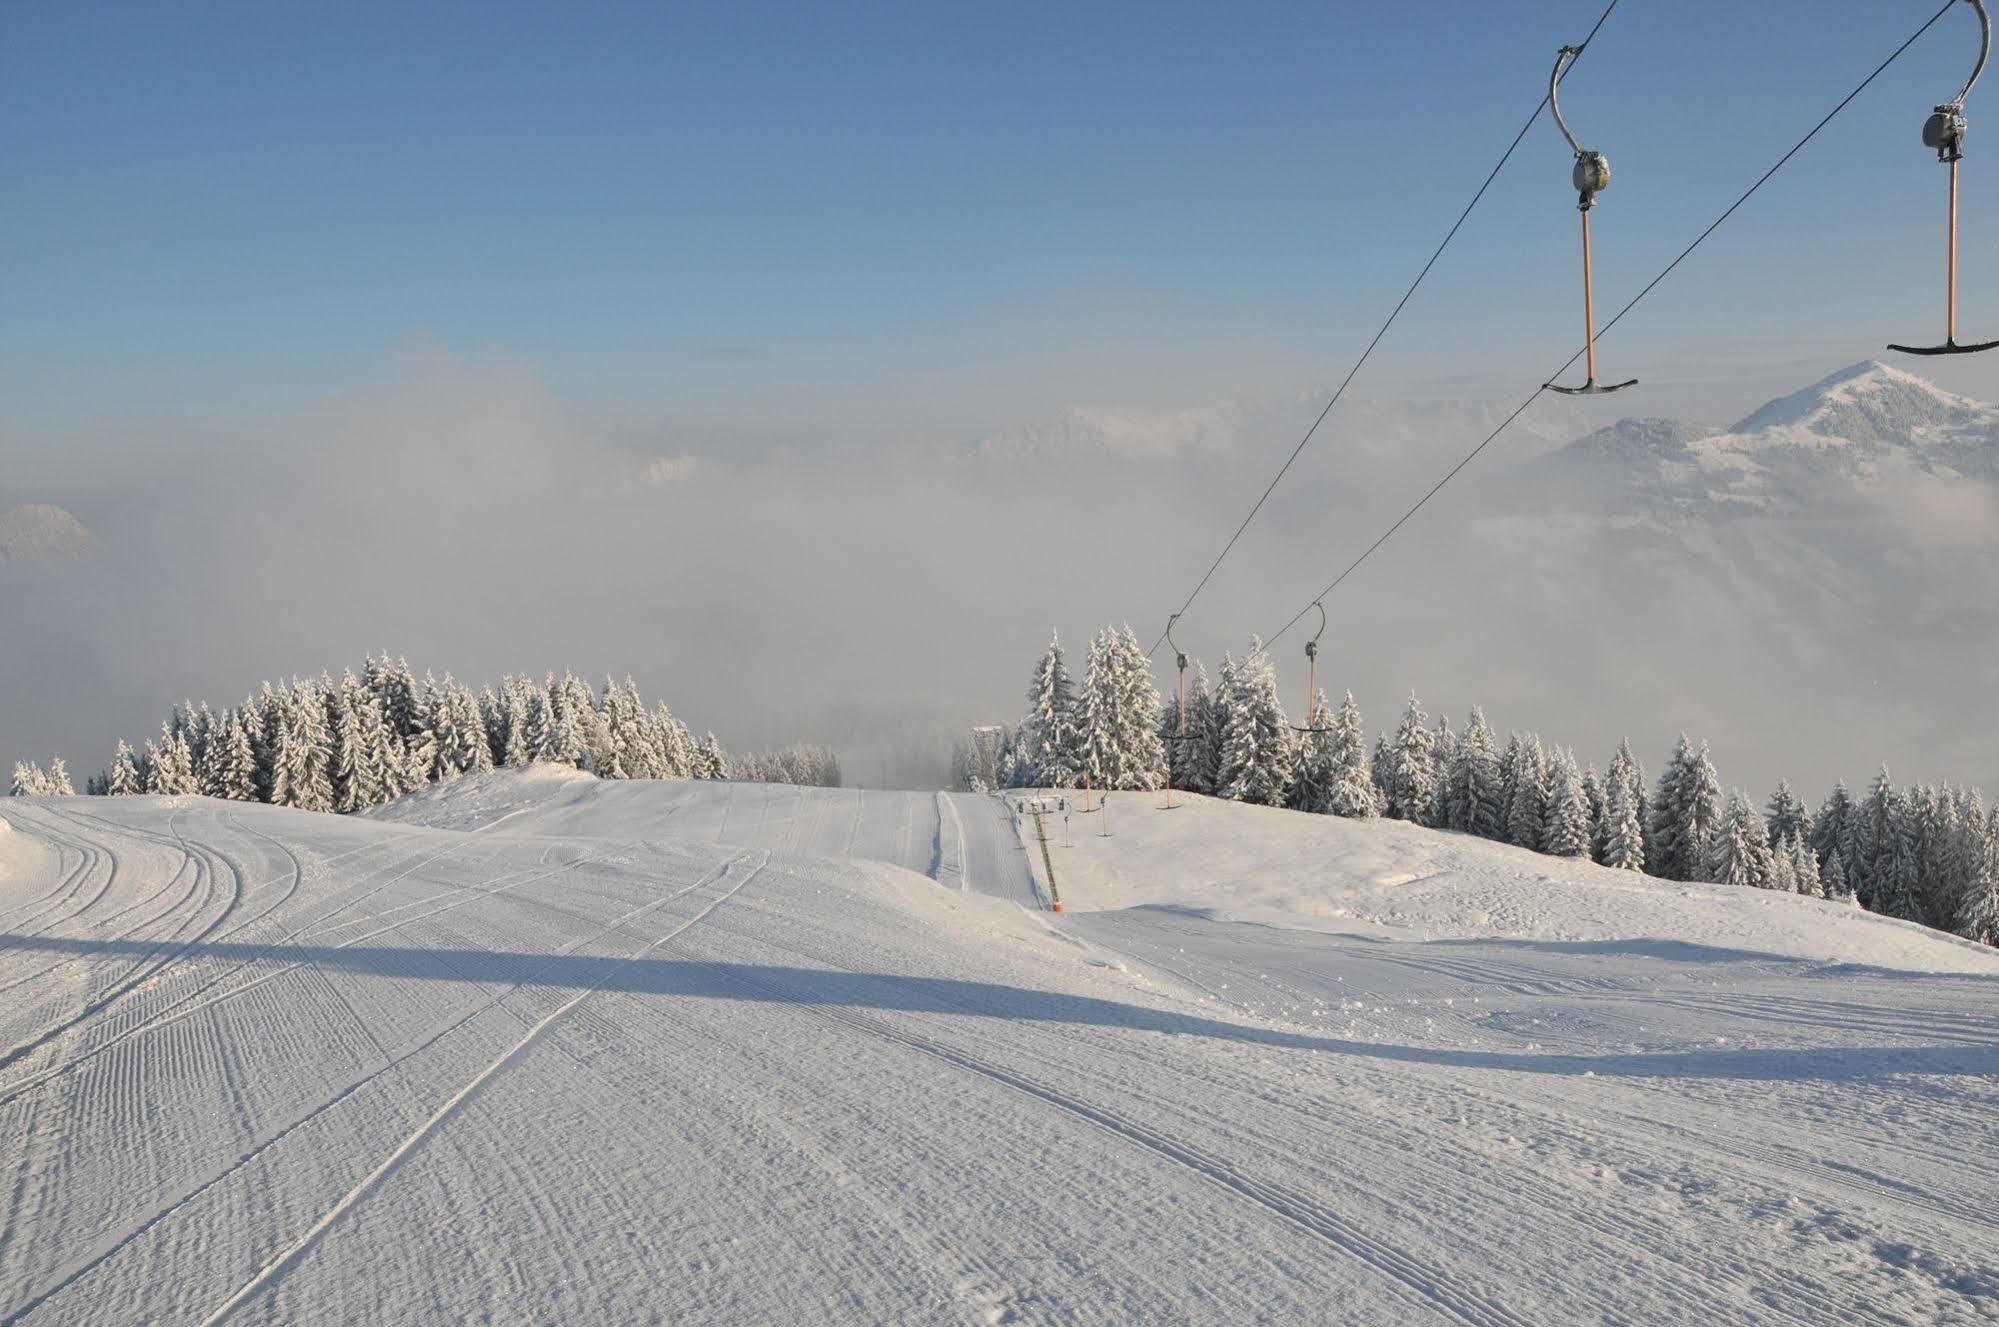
<point x="530" y="1048"/>
<point x="1390" y="880"/>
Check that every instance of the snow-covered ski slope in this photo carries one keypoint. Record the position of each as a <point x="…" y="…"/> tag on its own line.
<point x="961" y="842"/>
<point x="563" y="1059"/>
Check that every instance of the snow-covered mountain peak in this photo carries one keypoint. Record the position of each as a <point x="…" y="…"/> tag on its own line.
<point x="37" y="530"/>
<point x="1870" y="402"/>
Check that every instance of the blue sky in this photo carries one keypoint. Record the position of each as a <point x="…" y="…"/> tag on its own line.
<point x="956" y="216"/>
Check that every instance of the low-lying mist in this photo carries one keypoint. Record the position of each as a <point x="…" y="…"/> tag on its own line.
<point x="880" y="596"/>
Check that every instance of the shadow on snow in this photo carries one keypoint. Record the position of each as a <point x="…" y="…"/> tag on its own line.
<point x="951" y="996"/>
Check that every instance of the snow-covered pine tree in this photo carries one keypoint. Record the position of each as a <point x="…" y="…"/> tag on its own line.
<point x="1978" y="910"/>
<point x="400" y="770"/>
<point x="1783" y="869"/>
<point x="1411" y="789"/>
<point x="211" y="757"/>
<point x="57" y="779"/>
<point x="1739" y="849"/>
<point x="1472" y="798"/>
<point x="458" y="736"/>
<point x="593" y="731"/>
<point x="1119" y="711"/>
<point x="478" y="747"/>
<point x="578" y="707"/>
<point x="1965" y="861"/>
<point x="1898" y="872"/>
<point x="1193" y="758"/>
<point x="1257" y="750"/>
<point x="713" y="761"/>
<point x="1952" y="862"/>
<point x="539" y="739"/>
<point x="395" y="685"/>
<point x="171" y="766"/>
<point x="1624" y="825"/>
<point x="1666" y="855"/>
<point x="1623" y="843"/>
<point x="1704" y="804"/>
<point x="624" y="732"/>
<point x="1014" y="770"/>
<point x="516" y="704"/>
<point x="198" y="727"/>
<point x="1141" y="702"/>
<point x="1214" y="725"/>
<point x="1805" y="868"/>
<point x="1598" y="805"/>
<point x="1787" y="815"/>
<point x="28" y="781"/>
<point x="1381" y="765"/>
<point x="303" y="777"/>
<point x="1833" y="876"/>
<point x="1353" y="792"/>
<point x="1509" y="760"/>
<point x="343" y="735"/>
<point x="638" y="752"/>
<point x="266" y="715"/>
<point x="362" y="769"/>
<point x="1686" y="815"/>
<point x="1880" y="853"/>
<point x="1566" y="832"/>
<point x="1314" y="771"/>
<point x="1050" y="740"/>
<point x="675" y="742"/>
<point x="1527" y="812"/>
<point x="493" y="718"/>
<point x="237" y="763"/>
<point x="1169" y="741"/>
<point x="610" y="753"/>
<point x="122" y="778"/>
<point x="1834" y="829"/>
<point x="1443" y="754"/>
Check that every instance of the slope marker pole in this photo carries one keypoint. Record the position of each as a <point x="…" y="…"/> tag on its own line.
<point x="1041" y="832"/>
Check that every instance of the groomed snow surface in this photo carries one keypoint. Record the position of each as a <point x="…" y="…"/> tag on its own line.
<point x="530" y="1048"/>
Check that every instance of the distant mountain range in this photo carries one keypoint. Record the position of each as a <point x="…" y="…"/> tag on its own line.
<point x="1251" y="427"/>
<point x="1864" y="427"/>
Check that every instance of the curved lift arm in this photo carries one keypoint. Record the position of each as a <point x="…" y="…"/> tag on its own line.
<point x="1944" y="132"/>
<point x="1590" y="177"/>
<point x="1564" y="58"/>
<point x="1984" y="52"/>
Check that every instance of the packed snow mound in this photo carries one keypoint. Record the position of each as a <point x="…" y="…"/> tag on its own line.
<point x="477" y="801"/>
<point x="1393" y="880"/>
<point x="37" y="530"/>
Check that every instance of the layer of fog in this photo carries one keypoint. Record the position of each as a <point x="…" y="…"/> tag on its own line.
<point x="881" y="597"/>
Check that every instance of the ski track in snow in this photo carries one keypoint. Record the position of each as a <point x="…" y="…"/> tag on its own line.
<point x="556" y="1050"/>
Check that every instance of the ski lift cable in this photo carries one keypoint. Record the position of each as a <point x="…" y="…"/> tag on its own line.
<point x="1395" y="313"/>
<point x="1668" y="270"/>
